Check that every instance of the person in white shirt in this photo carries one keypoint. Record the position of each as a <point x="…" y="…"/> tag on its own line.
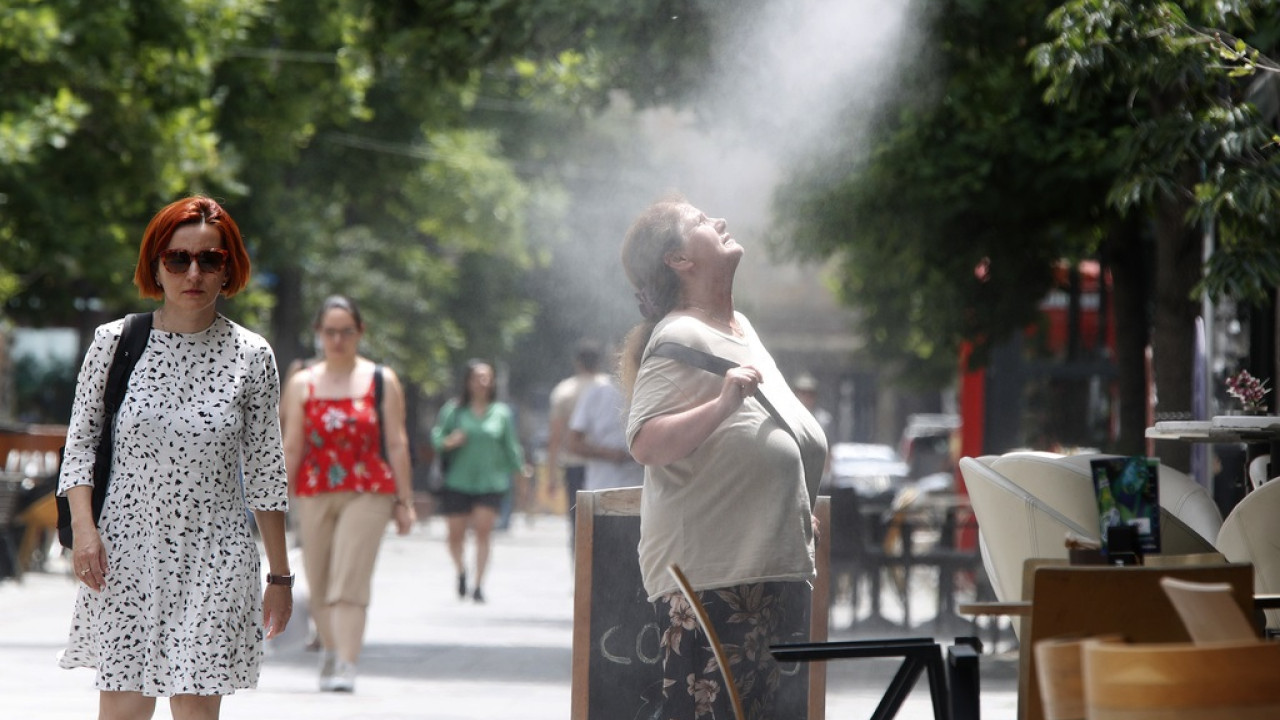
<point x="596" y="433"/>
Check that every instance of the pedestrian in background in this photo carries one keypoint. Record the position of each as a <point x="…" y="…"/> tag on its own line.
<point x="348" y="460"/>
<point x="562" y="462"/>
<point x="728" y="485"/>
<point x="482" y="454"/>
<point x="596" y="434"/>
<point x="171" y="603"/>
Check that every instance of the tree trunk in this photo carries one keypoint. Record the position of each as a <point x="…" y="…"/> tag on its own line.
<point x="1126" y="255"/>
<point x="1179" y="266"/>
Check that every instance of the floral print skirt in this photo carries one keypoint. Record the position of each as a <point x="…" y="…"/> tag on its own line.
<point x="748" y="619"/>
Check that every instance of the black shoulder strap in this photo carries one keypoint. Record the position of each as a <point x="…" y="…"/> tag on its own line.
<point x="718" y="366"/>
<point x="133" y="340"/>
<point x="377" y="404"/>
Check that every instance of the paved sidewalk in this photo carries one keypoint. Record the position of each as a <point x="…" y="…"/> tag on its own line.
<point x="427" y="654"/>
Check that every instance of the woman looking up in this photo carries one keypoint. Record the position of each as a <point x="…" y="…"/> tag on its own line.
<point x="171" y="603"/>
<point x="348" y="460"/>
<point x="728" y="483"/>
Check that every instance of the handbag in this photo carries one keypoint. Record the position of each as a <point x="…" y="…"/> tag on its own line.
<point x="133" y="340"/>
<point x="443" y="458"/>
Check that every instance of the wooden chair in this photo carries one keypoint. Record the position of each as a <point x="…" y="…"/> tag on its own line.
<point x="1209" y="611"/>
<point x="704" y="622"/>
<point x="1086" y="600"/>
<point x="1125" y="681"/>
<point x="1060" y="666"/>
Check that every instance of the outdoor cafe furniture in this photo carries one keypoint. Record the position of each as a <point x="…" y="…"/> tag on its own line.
<point x="1261" y="433"/>
<point x="872" y="539"/>
<point x="1140" y="681"/>
<point x="1087" y="600"/>
<point x="1015" y="525"/>
<point x="1251" y="533"/>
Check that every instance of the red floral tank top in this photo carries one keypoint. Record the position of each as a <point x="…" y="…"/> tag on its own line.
<point x="342" y="451"/>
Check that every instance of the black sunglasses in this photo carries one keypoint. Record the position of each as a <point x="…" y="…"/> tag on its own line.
<point x="179" y="262"/>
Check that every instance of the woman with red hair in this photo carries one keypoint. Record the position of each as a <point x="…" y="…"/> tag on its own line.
<point x="171" y="602"/>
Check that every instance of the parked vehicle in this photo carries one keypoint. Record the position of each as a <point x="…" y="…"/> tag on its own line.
<point x="928" y="443"/>
<point x="873" y="471"/>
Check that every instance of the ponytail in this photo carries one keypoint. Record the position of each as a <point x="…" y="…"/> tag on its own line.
<point x="656" y="232"/>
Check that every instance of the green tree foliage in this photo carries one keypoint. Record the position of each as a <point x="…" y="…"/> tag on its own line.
<point x="1193" y="153"/>
<point x="1032" y="134"/>
<point x="364" y="147"/>
<point x="1193" y="136"/>
<point x="105" y="112"/>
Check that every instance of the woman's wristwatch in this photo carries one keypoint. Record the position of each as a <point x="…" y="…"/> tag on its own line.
<point x="285" y="580"/>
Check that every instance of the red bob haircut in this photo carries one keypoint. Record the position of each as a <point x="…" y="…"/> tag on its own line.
<point x="195" y="209"/>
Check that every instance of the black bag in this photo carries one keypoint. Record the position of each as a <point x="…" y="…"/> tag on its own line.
<point x="133" y="340"/>
<point x="377" y="408"/>
<point x="442" y="459"/>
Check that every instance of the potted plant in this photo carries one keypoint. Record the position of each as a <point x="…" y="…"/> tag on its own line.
<point x="1250" y="391"/>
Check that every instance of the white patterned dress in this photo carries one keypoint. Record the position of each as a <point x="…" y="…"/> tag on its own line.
<point x="182" y="608"/>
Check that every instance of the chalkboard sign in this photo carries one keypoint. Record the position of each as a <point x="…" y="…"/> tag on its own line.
<point x="617" y="670"/>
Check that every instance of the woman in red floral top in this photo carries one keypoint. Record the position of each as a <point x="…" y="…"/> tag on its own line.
<point x="350" y="473"/>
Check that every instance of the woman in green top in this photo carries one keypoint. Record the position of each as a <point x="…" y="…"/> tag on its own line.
<point x="477" y="436"/>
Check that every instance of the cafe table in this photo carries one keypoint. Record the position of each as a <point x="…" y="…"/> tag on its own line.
<point x="1255" y="431"/>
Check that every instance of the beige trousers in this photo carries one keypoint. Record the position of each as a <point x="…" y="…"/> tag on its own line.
<point x="341" y="533"/>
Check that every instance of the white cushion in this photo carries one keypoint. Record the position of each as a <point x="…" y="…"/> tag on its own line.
<point x="1183" y="497"/>
<point x="1251" y="534"/>
<point x="1015" y="525"/>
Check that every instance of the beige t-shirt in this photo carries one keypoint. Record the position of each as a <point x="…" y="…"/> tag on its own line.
<point x="738" y="509"/>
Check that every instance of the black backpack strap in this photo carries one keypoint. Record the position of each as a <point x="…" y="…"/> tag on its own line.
<point x="377" y="404"/>
<point x="697" y="358"/>
<point x="718" y="366"/>
<point x="133" y="340"/>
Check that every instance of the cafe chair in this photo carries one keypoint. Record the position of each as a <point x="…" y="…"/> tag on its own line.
<point x="1076" y="601"/>
<point x="1059" y="668"/>
<point x="1184" y="499"/>
<point x="1209" y="611"/>
<point x="1251" y="534"/>
<point x="1189" y="518"/>
<point x="1258" y="471"/>
<point x="704" y="622"/>
<point x="1149" y="681"/>
<point x="1057" y="485"/>
<point x="1015" y="526"/>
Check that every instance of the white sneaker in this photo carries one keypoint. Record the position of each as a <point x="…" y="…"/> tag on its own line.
<point x="344" y="677"/>
<point x="328" y="660"/>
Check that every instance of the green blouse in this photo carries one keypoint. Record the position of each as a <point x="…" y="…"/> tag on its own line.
<point x="492" y="451"/>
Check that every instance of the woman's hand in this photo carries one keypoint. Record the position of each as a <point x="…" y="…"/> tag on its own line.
<point x="665" y="439"/>
<point x="454" y="440"/>
<point x="740" y="383"/>
<point x="88" y="556"/>
<point x="405" y="516"/>
<point x="277" y="608"/>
